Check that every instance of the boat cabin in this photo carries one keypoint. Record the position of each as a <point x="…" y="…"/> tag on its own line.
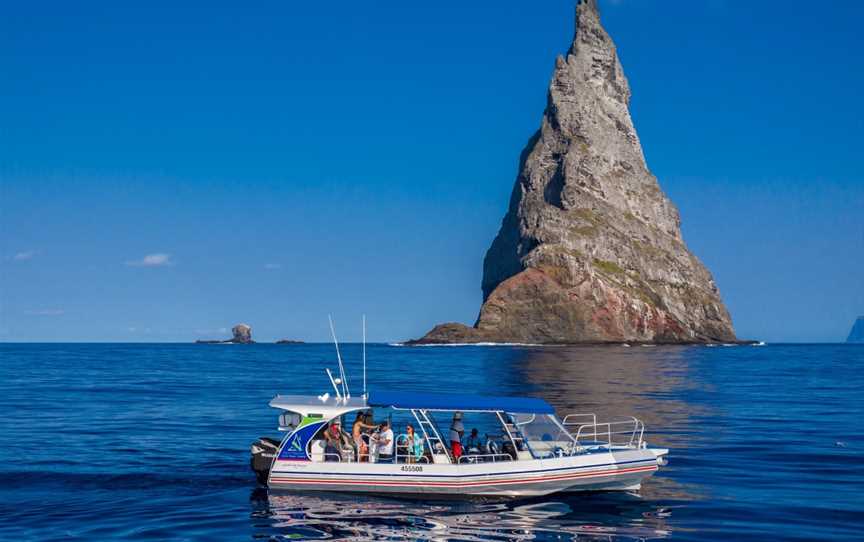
<point x="417" y="427"/>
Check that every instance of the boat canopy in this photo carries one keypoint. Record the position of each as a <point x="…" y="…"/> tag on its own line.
<point x="325" y="406"/>
<point x="446" y="401"/>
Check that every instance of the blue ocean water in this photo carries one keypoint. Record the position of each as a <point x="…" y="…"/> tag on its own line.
<point x="151" y="442"/>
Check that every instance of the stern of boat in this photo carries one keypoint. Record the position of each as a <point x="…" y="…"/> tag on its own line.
<point x="263" y="454"/>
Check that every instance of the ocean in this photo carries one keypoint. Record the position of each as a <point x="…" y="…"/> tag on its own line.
<point x="151" y="441"/>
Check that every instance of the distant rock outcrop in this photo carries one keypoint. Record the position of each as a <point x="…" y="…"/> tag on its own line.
<point x="242" y="334"/>
<point x="856" y="335"/>
<point x="289" y="341"/>
<point x="590" y="249"/>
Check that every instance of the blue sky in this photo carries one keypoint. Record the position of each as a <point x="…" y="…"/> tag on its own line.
<point x="169" y="171"/>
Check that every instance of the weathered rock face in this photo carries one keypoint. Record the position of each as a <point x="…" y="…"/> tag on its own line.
<point x="242" y="334"/>
<point x="856" y="335"/>
<point x="590" y="249"/>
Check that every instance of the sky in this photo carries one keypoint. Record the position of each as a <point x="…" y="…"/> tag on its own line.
<point x="167" y="171"/>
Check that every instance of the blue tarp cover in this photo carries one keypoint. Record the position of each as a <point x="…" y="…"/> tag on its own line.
<point x="446" y="401"/>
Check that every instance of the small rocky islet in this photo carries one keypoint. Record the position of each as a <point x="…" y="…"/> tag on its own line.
<point x="242" y="334"/>
<point x="590" y="249"/>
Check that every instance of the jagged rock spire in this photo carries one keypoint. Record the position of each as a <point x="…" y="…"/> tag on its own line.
<point x="590" y="248"/>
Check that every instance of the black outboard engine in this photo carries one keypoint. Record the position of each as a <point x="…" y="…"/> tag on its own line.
<point x="263" y="453"/>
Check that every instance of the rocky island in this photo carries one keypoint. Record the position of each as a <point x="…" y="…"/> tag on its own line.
<point x="242" y="334"/>
<point x="856" y="335"/>
<point x="590" y="250"/>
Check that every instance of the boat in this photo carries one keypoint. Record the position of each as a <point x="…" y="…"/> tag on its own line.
<point x="526" y="450"/>
<point x="534" y="453"/>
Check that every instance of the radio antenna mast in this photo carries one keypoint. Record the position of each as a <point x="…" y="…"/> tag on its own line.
<point x="364" y="357"/>
<point x="345" y="391"/>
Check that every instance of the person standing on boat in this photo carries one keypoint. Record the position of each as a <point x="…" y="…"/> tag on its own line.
<point x="385" y="443"/>
<point x="357" y="433"/>
<point x="457" y="431"/>
<point x="414" y="444"/>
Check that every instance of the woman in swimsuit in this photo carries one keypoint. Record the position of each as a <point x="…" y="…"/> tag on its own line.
<point x="357" y="434"/>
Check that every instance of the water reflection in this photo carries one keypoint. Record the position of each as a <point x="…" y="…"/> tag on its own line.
<point x="653" y="384"/>
<point x="660" y="385"/>
<point x="340" y="517"/>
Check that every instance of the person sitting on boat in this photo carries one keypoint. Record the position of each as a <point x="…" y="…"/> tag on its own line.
<point x="414" y="444"/>
<point x="457" y="431"/>
<point x="357" y="433"/>
<point x="384" y="440"/>
<point x="474" y="443"/>
<point x="335" y="440"/>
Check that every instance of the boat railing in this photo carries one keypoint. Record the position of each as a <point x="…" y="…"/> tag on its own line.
<point x="403" y="453"/>
<point x="484" y="458"/>
<point x="331" y="457"/>
<point x="625" y="432"/>
<point x="574" y="419"/>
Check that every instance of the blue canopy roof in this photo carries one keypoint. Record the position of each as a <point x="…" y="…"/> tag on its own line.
<point x="447" y="401"/>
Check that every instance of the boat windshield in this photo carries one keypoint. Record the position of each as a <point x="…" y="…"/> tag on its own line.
<point x="543" y="434"/>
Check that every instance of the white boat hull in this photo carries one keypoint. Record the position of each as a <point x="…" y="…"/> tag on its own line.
<point x="618" y="470"/>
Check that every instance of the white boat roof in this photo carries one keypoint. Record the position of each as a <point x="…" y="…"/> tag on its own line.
<point x="331" y="406"/>
<point x="327" y="406"/>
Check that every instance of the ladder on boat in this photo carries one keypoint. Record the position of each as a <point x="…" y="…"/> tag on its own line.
<point x="430" y="433"/>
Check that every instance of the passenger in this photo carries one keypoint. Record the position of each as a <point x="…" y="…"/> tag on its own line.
<point x="457" y="431"/>
<point x="357" y="433"/>
<point x="414" y="445"/>
<point x="473" y="444"/>
<point x="384" y="441"/>
<point x="335" y="440"/>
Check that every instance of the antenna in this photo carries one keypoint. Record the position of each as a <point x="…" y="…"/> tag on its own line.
<point x="345" y="390"/>
<point x="364" y="357"/>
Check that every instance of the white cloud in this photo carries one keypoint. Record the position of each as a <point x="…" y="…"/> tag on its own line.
<point x="25" y="255"/>
<point x="46" y="312"/>
<point x="158" y="259"/>
<point x="272" y="266"/>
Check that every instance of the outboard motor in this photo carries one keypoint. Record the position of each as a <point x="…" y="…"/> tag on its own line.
<point x="263" y="453"/>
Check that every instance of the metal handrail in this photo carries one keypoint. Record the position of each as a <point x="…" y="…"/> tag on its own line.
<point x="400" y="443"/>
<point x="475" y="457"/>
<point x="631" y="430"/>
<point x="566" y="419"/>
<point x="526" y="422"/>
<point x="331" y="454"/>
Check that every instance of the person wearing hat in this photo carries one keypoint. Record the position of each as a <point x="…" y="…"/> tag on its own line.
<point x="457" y="431"/>
<point x="335" y="439"/>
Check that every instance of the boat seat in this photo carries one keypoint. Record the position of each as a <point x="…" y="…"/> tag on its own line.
<point x="317" y="451"/>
